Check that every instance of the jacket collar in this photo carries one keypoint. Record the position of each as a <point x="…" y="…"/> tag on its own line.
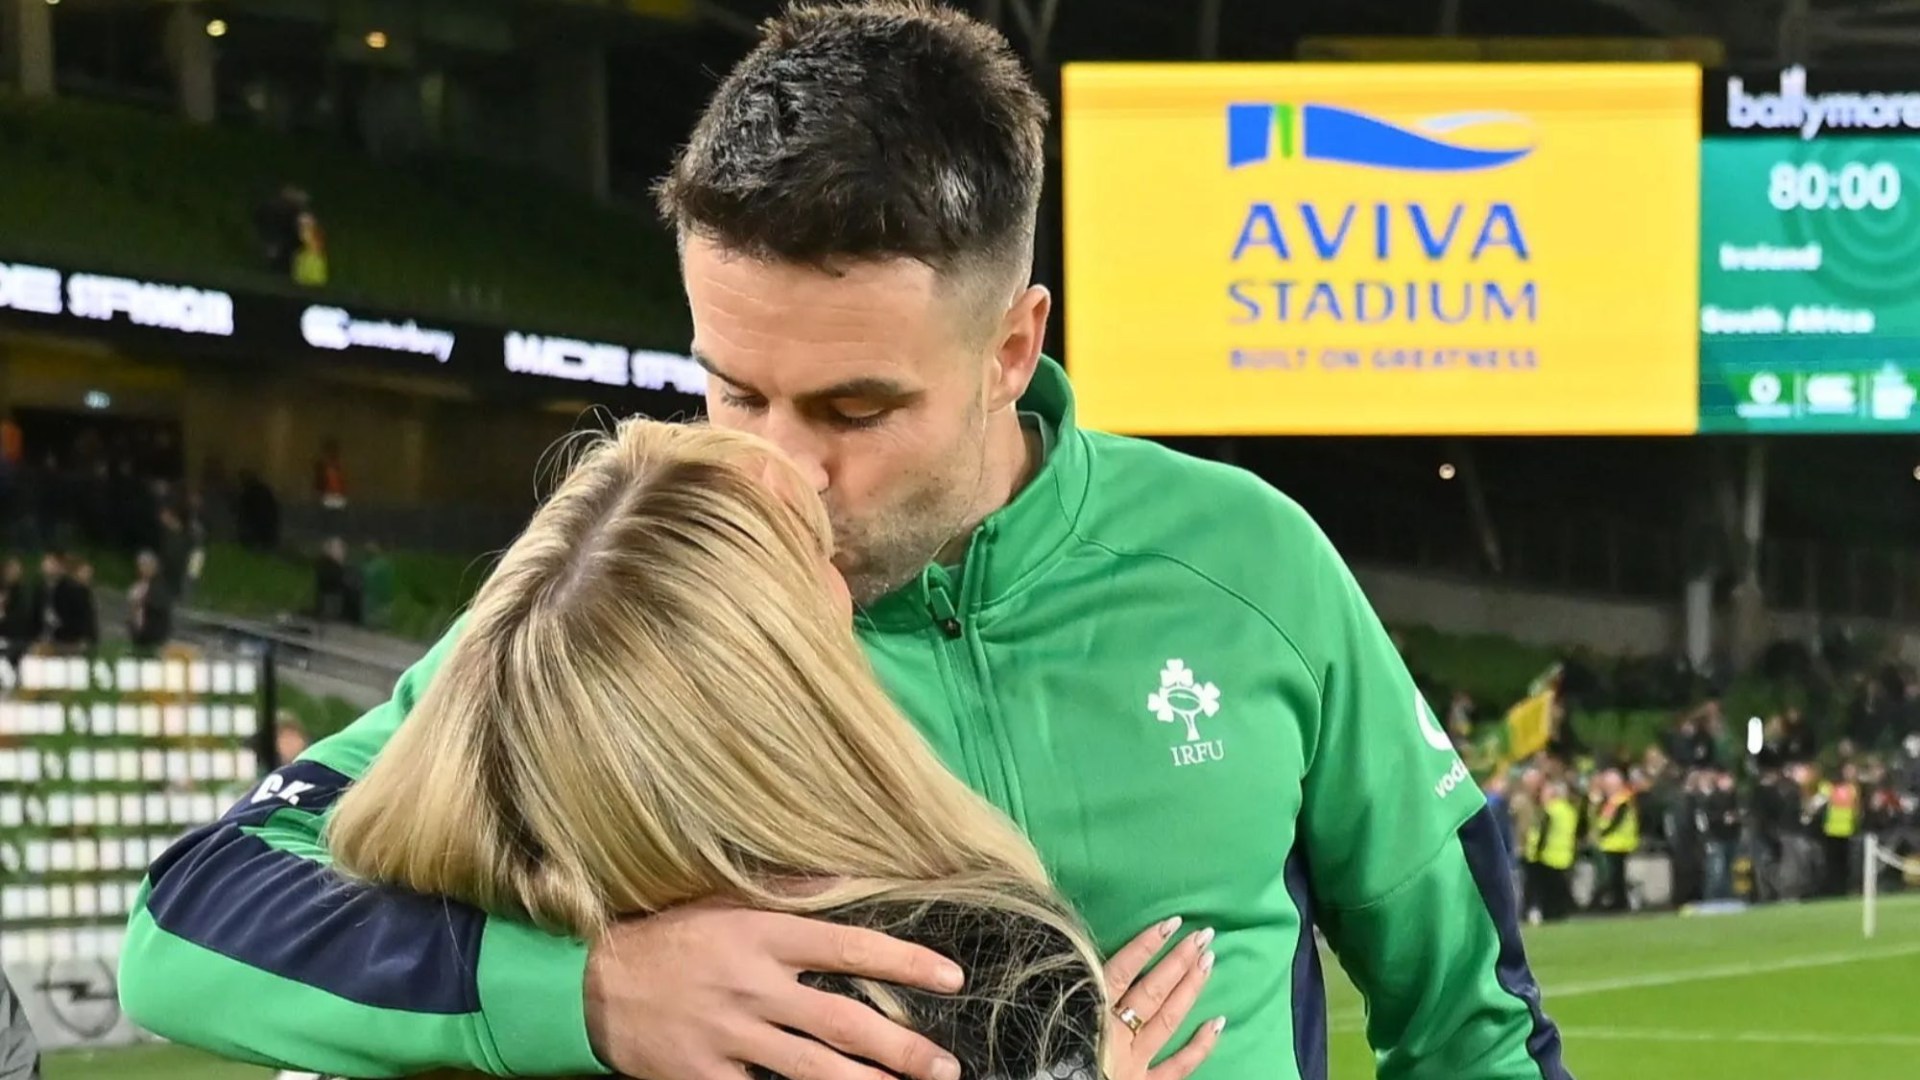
<point x="1018" y="541"/>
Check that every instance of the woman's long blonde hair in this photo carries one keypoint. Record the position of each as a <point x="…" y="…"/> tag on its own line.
<point x="654" y="699"/>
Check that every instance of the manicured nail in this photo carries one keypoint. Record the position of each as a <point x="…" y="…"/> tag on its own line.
<point x="1167" y="928"/>
<point x="1206" y="962"/>
<point x="950" y="977"/>
<point x="946" y="1069"/>
<point x="1205" y="937"/>
<point x="1219" y="1025"/>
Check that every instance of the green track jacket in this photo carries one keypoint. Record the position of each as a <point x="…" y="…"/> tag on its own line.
<point x="1156" y="665"/>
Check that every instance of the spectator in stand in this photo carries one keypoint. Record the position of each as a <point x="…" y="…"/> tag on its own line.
<point x="376" y="586"/>
<point x="1616" y="832"/>
<point x="1906" y="770"/>
<point x="310" y="257"/>
<point x="289" y="736"/>
<point x="16" y="611"/>
<point x="330" y="483"/>
<point x="1691" y="746"/>
<point x="1773" y="753"/>
<point x="1838" y="808"/>
<point x="1684" y="829"/>
<point x="1460" y="714"/>
<point x="1800" y="864"/>
<point x="45" y="619"/>
<point x="149" y="605"/>
<point x="175" y="551"/>
<point x="1722" y="814"/>
<point x="336" y="587"/>
<point x="276" y="222"/>
<point x="1556" y="841"/>
<point x="256" y="514"/>
<point x="1796" y="738"/>
<point x="72" y="625"/>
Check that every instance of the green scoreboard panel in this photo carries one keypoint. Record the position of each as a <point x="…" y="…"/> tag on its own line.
<point x="1810" y="257"/>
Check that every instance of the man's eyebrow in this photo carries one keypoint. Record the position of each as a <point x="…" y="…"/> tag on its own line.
<point x="707" y="362"/>
<point x="872" y="387"/>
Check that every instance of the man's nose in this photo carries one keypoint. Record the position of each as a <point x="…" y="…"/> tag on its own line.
<point x="803" y="446"/>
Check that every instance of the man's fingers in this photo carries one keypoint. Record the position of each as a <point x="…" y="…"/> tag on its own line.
<point x="862" y="1032"/>
<point x="1181" y="1065"/>
<point x="812" y="945"/>
<point x="1133" y="957"/>
<point x="797" y="1057"/>
<point x="1166" y="1020"/>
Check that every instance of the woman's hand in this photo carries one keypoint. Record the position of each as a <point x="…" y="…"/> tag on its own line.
<point x="1148" y="1009"/>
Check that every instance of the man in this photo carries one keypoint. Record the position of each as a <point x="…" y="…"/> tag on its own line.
<point x="1559" y="841"/>
<point x="289" y="737"/>
<point x="149" y="606"/>
<point x="1156" y="666"/>
<point x="1723" y="824"/>
<point x="1616" y="832"/>
<point x="1837" y="806"/>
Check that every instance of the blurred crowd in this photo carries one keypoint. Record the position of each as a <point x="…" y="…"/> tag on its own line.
<point x="1749" y="808"/>
<point x="103" y="499"/>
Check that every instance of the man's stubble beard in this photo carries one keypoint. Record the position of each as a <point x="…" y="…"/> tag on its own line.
<point x="940" y="510"/>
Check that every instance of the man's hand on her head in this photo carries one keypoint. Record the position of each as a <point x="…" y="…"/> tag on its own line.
<point x="702" y="991"/>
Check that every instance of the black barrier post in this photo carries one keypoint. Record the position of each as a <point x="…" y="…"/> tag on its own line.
<point x="267" y="749"/>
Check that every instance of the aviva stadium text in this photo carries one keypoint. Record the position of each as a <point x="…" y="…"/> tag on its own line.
<point x="1448" y="263"/>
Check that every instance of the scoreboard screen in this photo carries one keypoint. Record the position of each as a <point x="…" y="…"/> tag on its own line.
<point x="1810" y="255"/>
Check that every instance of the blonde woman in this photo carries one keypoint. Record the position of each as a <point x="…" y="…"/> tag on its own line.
<point x="657" y="700"/>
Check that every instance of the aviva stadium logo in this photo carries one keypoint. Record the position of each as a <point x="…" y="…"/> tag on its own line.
<point x="1458" y="142"/>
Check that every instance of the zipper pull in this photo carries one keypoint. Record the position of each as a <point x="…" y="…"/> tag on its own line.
<point x="939" y="594"/>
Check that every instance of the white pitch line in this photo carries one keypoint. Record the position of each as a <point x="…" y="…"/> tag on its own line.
<point x="1807" y="1038"/>
<point x="1727" y="971"/>
<point x="1557" y="992"/>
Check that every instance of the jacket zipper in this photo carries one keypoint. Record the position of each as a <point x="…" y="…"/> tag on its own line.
<point x="972" y="715"/>
<point x="940" y="603"/>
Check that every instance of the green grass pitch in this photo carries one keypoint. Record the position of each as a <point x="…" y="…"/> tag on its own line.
<point x="1782" y="993"/>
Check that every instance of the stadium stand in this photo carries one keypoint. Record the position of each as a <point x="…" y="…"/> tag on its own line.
<point x="140" y="192"/>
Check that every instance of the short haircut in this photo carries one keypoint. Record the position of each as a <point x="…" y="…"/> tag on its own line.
<point x="873" y="130"/>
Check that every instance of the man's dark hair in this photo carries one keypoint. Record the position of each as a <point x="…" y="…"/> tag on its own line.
<point x="871" y="130"/>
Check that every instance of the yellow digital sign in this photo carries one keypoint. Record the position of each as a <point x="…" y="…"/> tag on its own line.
<point x="1383" y="249"/>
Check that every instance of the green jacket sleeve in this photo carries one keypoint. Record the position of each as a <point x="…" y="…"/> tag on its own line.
<point x="246" y="944"/>
<point x="1411" y="878"/>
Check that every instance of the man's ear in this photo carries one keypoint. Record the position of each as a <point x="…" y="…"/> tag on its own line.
<point x="1016" y="346"/>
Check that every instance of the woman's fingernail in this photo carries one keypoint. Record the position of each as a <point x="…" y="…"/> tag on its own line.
<point x="1167" y="928"/>
<point x="1219" y="1025"/>
<point x="1204" y="938"/>
<point x="946" y="1069"/>
<point x="952" y="978"/>
<point x="1206" y="962"/>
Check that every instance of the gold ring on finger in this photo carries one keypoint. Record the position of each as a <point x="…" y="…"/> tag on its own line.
<point x="1132" y="1019"/>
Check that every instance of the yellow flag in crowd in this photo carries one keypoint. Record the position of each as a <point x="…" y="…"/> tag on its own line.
<point x="1529" y="726"/>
